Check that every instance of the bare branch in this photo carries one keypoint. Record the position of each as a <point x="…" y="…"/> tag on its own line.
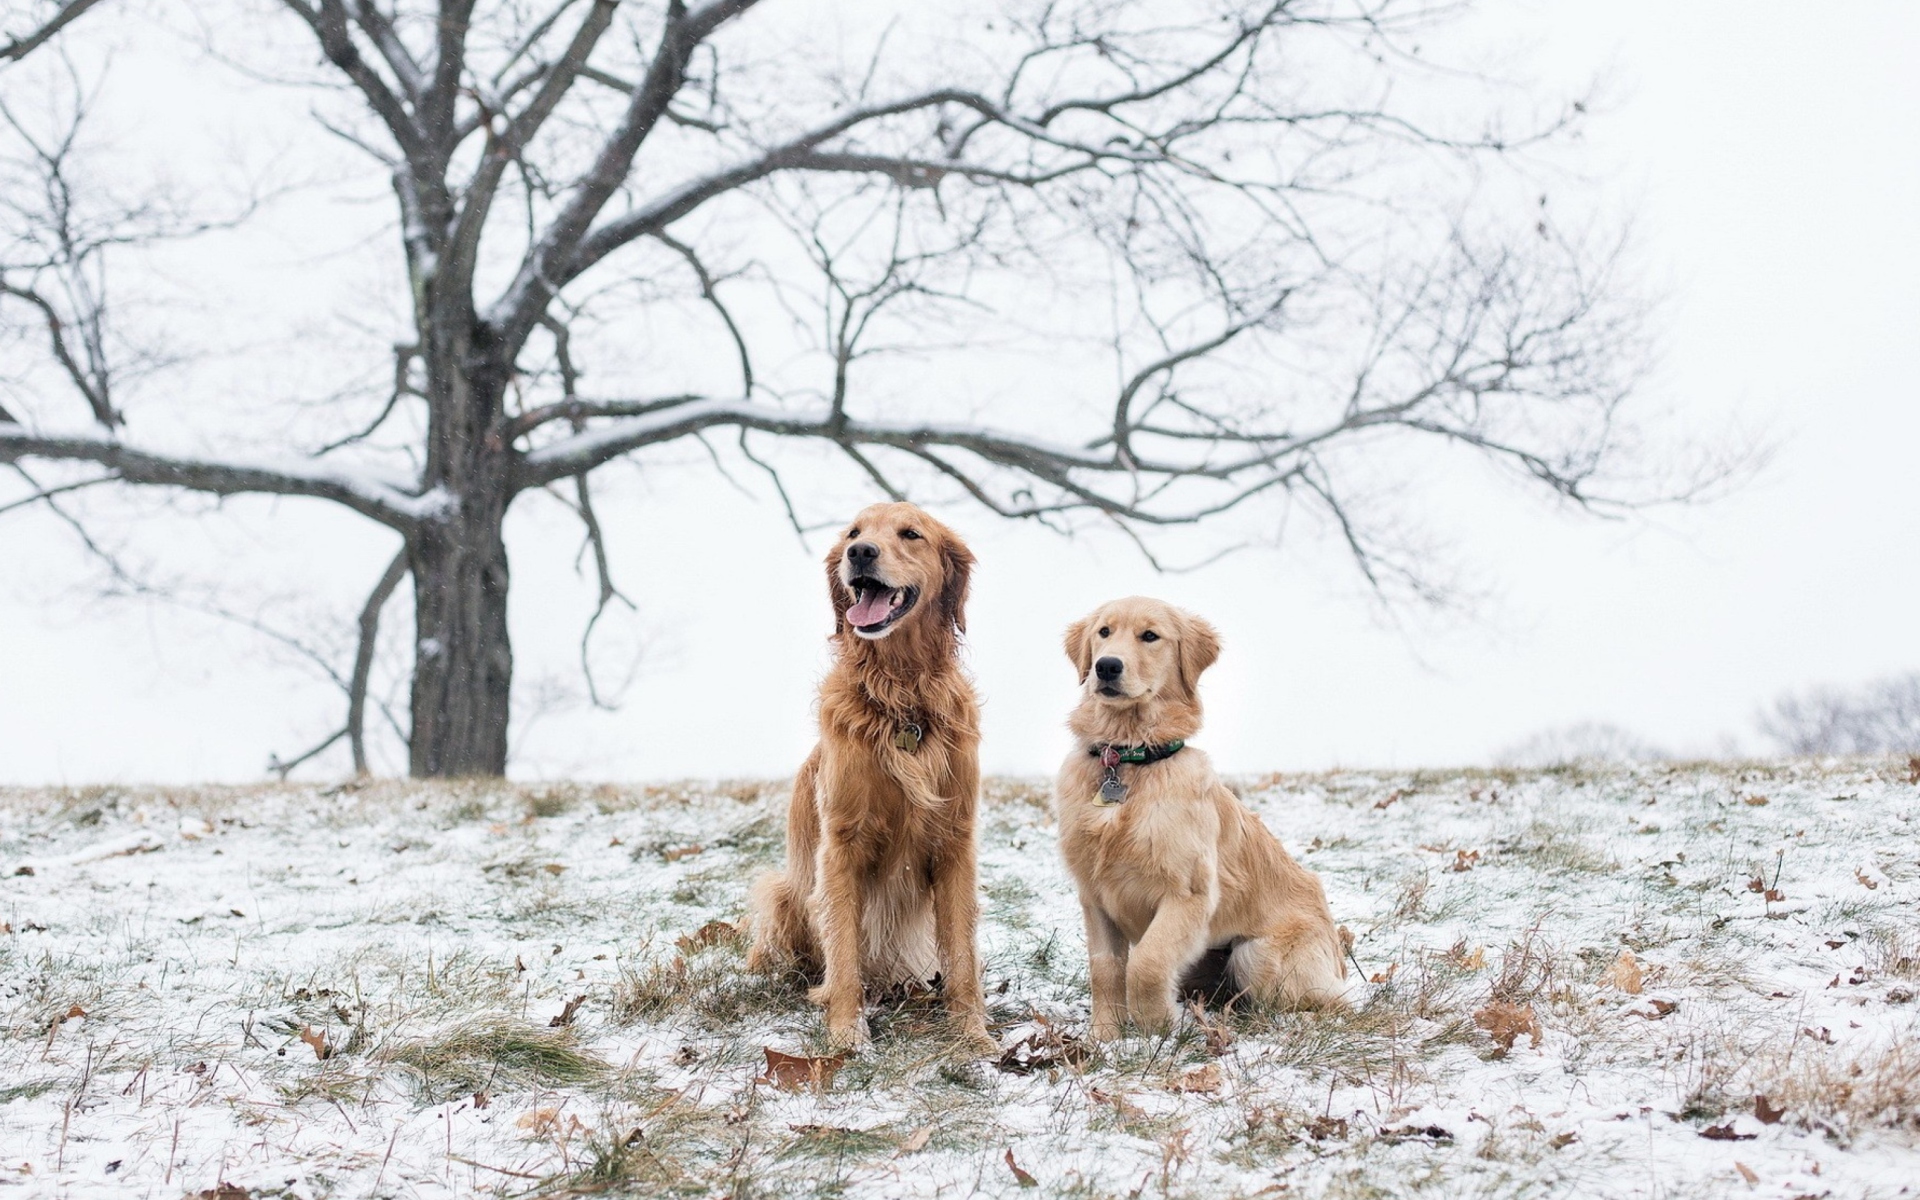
<point x="384" y="501"/>
<point x="543" y="270"/>
<point x="505" y="147"/>
<point x="363" y="658"/>
<point x="284" y="768"/>
<point x="19" y="47"/>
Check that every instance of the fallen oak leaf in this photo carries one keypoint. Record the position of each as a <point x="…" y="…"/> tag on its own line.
<point x="798" y="1072"/>
<point x="567" y="1012"/>
<point x="1662" y="1009"/>
<point x="1765" y="1113"/>
<point x="1865" y="882"/>
<point x="1463" y="860"/>
<point x="1624" y="975"/>
<point x="914" y="1142"/>
<point x="1506" y="1023"/>
<point x="680" y="852"/>
<point x="318" y="1040"/>
<point x="1384" y="976"/>
<point x="1025" y="1179"/>
<point x="1205" y="1079"/>
<point x="1746" y="1172"/>
<point x="1725" y="1133"/>
<point x="712" y="933"/>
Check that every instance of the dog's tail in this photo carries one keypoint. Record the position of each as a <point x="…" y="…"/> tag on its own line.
<point x="777" y="920"/>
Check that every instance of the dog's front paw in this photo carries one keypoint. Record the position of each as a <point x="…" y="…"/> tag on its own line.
<point x="1106" y="1029"/>
<point x="1154" y="1014"/>
<point x="847" y="1035"/>
<point x="974" y="1036"/>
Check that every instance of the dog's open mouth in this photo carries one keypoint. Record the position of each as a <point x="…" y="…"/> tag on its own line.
<point x="878" y="606"/>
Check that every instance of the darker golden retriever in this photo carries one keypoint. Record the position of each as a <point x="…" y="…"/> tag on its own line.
<point x="1171" y="867"/>
<point x="879" y="882"/>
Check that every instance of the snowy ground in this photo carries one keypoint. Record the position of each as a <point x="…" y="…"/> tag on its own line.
<point x="303" y="991"/>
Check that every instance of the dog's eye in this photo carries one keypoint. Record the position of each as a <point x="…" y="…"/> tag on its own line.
<point x="1149" y="636"/>
<point x="854" y="532"/>
<point x="912" y="535"/>
<point x="1104" y="631"/>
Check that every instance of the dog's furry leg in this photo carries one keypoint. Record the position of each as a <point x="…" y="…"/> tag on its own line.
<point x="1177" y="936"/>
<point x="956" y="914"/>
<point x="1107" y="963"/>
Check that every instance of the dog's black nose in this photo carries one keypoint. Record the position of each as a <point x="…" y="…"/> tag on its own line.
<point x="1108" y="669"/>
<point x="862" y="554"/>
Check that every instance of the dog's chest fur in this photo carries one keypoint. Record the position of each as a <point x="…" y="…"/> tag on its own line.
<point x="1158" y="842"/>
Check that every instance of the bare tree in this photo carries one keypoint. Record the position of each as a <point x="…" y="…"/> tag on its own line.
<point x="1300" y="282"/>
<point x="1882" y="717"/>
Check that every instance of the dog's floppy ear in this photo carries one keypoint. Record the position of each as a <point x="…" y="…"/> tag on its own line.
<point x="836" y="594"/>
<point x="956" y="567"/>
<point x="1080" y="647"/>
<point x="1199" y="645"/>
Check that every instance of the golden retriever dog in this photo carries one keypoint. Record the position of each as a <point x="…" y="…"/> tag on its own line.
<point x="1170" y="865"/>
<point x="879" y="881"/>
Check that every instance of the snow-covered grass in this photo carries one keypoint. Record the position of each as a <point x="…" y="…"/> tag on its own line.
<point x="428" y="990"/>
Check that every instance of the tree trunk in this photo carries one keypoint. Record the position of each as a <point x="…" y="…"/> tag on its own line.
<point x="463" y="664"/>
<point x="463" y="660"/>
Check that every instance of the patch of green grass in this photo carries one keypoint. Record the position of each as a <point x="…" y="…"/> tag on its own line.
<point x="28" y="1090"/>
<point x="491" y="1053"/>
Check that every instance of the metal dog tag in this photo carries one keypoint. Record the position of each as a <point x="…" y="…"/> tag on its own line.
<point x="1112" y="791"/>
<point x="908" y="738"/>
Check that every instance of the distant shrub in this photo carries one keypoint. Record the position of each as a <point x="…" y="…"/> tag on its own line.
<point x="1882" y="717"/>
<point x="1586" y="741"/>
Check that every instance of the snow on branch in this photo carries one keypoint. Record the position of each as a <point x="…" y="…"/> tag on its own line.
<point x="385" y="500"/>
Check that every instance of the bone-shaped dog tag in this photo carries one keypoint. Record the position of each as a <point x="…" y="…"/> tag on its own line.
<point x="1112" y="791"/>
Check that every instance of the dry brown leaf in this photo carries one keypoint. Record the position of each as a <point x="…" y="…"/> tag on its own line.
<point x="481" y="1099"/>
<point x="1725" y="1133"/>
<point x="75" y="1011"/>
<point x="1913" y="768"/>
<point x="1755" y="801"/>
<point x="552" y="868"/>
<point x="317" y="1039"/>
<point x="1390" y="798"/>
<point x="1624" y="975"/>
<point x="567" y="1012"/>
<point x="1025" y="1179"/>
<point x="709" y="934"/>
<point x="221" y="1191"/>
<point x="1865" y="882"/>
<point x="1765" y="1113"/>
<point x="1126" y="1109"/>
<point x="1385" y="975"/>
<point x="1746" y="1172"/>
<point x="915" y="1142"/>
<point x="541" y="1121"/>
<point x="1044" y="1049"/>
<point x="797" y="1072"/>
<point x="1506" y="1023"/>
<point x="1662" y="1009"/>
<point x="680" y="852"/>
<point x="1325" y="1128"/>
<point x="1466" y="960"/>
<point x="1205" y="1079"/>
<point x="1463" y="860"/>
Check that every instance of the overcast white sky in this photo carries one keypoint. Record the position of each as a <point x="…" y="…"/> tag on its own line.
<point x="1772" y="154"/>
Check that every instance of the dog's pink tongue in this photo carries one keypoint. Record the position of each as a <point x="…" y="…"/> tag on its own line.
<point x="872" y="608"/>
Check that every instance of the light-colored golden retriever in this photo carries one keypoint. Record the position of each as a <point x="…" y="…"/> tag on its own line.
<point x="1171" y="865"/>
<point x="879" y="882"/>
